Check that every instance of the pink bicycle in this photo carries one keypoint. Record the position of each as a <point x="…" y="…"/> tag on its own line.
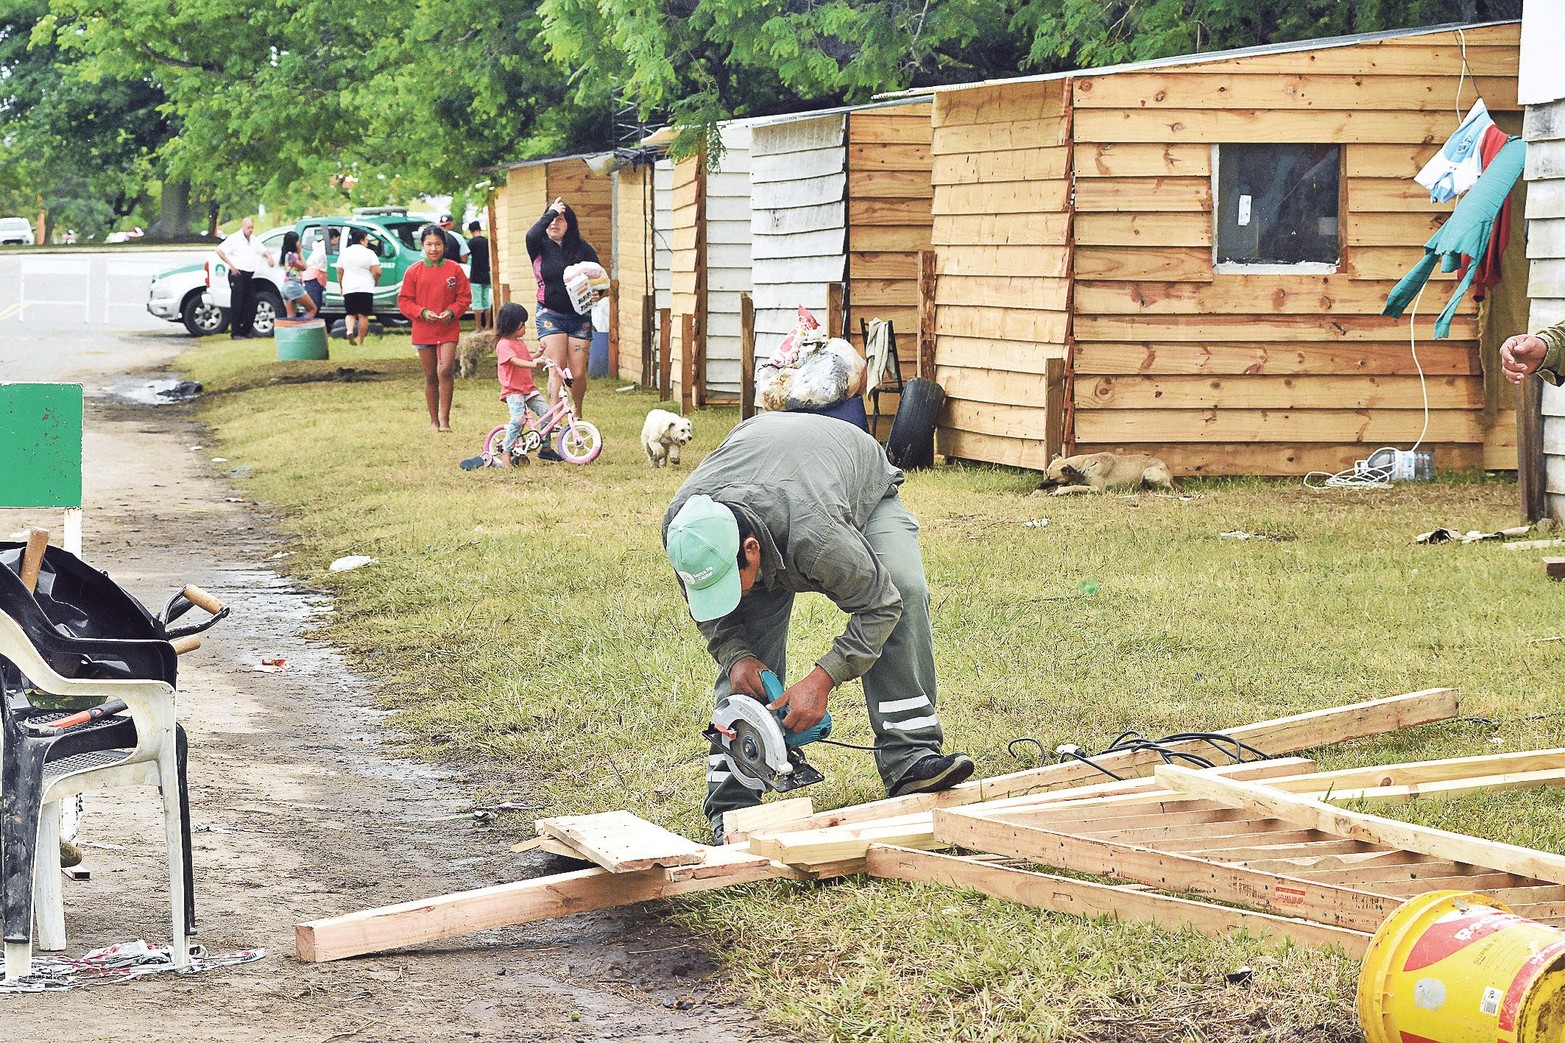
<point x="577" y="441"/>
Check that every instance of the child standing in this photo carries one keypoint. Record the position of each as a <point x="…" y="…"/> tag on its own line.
<point x="435" y="295"/>
<point x="516" y="364"/>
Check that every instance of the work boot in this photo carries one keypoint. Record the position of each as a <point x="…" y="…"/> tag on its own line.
<point x="934" y="773"/>
<point x="70" y="855"/>
<point x="717" y="835"/>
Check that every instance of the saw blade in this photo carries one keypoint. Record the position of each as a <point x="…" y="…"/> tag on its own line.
<point x="747" y="750"/>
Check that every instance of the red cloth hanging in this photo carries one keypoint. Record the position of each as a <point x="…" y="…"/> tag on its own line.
<point x="1488" y="274"/>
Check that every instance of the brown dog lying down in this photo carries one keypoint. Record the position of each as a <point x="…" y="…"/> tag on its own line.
<point x="471" y="349"/>
<point x="1100" y="472"/>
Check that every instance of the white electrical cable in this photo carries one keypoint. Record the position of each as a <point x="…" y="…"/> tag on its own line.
<point x="1366" y="477"/>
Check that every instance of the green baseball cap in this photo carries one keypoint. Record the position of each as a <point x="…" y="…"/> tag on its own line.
<point x="703" y="547"/>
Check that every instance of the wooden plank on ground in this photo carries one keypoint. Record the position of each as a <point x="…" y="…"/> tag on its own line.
<point x="1274" y="893"/>
<point x="507" y="905"/>
<point x="621" y="842"/>
<point x="1457" y="847"/>
<point x="1080" y="898"/>
<point x="1303" y="731"/>
<point x="737" y="825"/>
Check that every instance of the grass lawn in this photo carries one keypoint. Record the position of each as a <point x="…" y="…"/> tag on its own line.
<point x="526" y="626"/>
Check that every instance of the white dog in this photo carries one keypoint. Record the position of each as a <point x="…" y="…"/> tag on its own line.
<point x="662" y="435"/>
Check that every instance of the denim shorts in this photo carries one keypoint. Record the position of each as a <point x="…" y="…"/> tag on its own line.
<point x="577" y="327"/>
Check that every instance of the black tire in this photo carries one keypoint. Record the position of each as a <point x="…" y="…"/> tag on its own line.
<point x="268" y="309"/>
<point x="911" y="443"/>
<point x="201" y="319"/>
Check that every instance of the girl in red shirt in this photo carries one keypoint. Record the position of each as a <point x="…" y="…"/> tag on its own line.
<point x="435" y="295"/>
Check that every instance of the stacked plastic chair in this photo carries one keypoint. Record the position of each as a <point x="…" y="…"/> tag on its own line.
<point x="78" y="638"/>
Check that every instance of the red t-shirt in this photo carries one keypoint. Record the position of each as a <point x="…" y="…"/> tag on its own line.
<point x="515" y="364"/>
<point x="435" y="289"/>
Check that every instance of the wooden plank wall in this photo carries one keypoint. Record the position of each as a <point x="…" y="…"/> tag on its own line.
<point x="798" y="177"/>
<point x="727" y="259"/>
<point x="686" y="262"/>
<point x="1545" y="134"/>
<point x="890" y="221"/>
<point x="591" y="196"/>
<point x="1273" y="373"/>
<point x="517" y="205"/>
<point x="633" y="220"/>
<point x="1002" y="252"/>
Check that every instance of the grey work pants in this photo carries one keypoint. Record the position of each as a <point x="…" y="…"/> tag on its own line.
<point x="899" y="690"/>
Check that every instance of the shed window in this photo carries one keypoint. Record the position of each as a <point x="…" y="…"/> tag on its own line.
<point x="1277" y="204"/>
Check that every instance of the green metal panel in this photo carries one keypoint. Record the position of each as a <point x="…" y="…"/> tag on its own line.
<point x="40" y="445"/>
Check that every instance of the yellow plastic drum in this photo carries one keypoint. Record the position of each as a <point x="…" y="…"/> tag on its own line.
<point x="1458" y="967"/>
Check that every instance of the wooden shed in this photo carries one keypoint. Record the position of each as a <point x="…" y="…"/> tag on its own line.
<point x="709" y="268"/>
<point x="1190" y="257"/>
<point x="530" y="187"/>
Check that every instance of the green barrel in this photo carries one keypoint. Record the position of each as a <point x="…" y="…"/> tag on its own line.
<point x="300" y="339"/>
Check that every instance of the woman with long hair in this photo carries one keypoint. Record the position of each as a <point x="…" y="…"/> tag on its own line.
<point x="435" y="295"/>
<point x="295" y="296"/>
<point x="554" y="243"/>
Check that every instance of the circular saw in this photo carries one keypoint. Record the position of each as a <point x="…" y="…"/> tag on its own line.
<point x="761" y="753"/>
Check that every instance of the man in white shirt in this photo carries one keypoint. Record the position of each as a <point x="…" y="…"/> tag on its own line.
<point x="245" y="257"/>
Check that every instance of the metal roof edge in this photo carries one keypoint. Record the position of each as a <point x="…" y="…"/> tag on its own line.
<point x="1203" y="57"/>
<point x="583" y="156"/>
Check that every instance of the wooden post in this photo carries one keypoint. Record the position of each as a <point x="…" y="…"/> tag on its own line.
<point x="746" y="356"/>
<point x="687" y="362"/>
<point x="834" y="309"/>
<point x="648" y="309"/>
<point x="1054" y="408"/>
<point x="501" y="294"/>
<point x="614" y="328"/>
<point x="926" y="314"/>
<point x="1530" y="482"/>
<point x="665" y="355"/>
<point x="695" y="340"/>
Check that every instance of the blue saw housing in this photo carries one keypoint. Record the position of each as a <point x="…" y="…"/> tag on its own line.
<point x="774" y="690"/>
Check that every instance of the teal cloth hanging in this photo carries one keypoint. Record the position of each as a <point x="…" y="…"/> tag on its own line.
<point x="1467" y="231"/>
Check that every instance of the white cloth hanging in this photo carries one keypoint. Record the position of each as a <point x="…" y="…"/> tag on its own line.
<point x="1458" y="164"/>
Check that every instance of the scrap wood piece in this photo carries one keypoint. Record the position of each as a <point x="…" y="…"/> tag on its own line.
<point x="1080" y="898"/>
<point x="1284" y="735"/>
<point x="1354" y="825"/>
<point x="621" y="842"/>
<point x="1267" y="892"/>
<point x="741" y="823"/>
<point x="526" y="901"/>
<point x="1554" y="568"/>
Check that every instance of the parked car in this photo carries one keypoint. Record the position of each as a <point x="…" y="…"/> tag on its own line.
<point x="392" y="234"/>
<point x="15" y="231"/>
<point x="179" y="295"/>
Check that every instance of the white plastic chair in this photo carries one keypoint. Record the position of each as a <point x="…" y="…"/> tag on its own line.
<point x="149" y="758"/>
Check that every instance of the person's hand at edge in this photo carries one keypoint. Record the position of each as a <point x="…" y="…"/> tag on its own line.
<point x="1520" y="356"/>
<point x="805" y="701"/>
<point x="744" y="677"/>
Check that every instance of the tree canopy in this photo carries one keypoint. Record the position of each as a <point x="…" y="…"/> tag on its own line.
<point x="308" y="103"/>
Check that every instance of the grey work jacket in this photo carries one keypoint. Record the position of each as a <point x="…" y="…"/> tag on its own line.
<point x="808" y="485"/>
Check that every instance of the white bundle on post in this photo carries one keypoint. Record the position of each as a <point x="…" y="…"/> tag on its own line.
<point x="808" y="370"/>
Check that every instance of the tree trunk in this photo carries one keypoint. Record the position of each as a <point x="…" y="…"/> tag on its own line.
<point x="174" y="218"/>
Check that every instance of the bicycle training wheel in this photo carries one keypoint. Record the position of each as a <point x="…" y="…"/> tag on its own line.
<point x="494" y="445"/>
<point x="580" y="443"/>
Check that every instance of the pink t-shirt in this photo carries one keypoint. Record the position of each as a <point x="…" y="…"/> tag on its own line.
<point x="514" y="362"/>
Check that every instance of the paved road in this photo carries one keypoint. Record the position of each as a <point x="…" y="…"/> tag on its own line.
<point x="80" y="313"/>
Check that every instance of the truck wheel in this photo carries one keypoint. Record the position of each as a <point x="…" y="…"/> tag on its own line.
<point x="200" y="318"/>
<point x="268" y="309"/>
<point x="911" y="443"/>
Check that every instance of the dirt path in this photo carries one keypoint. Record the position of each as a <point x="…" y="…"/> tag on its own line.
<point x="301" y="813"/>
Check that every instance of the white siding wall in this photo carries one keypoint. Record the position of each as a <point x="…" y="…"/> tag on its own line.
<point x="798" y="176"/>
<point x="662" y="251"/>
<point x="727" y="258"/>
<point x="1544" y="129"/>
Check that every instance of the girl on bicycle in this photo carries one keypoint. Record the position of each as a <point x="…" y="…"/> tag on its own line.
<point x="516" y="364"/>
